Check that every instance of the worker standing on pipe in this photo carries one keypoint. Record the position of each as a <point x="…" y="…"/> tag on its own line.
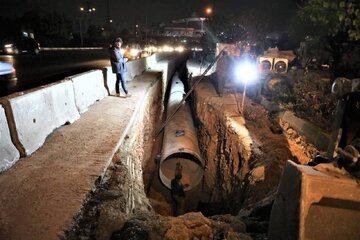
<point x="177" y="192"/>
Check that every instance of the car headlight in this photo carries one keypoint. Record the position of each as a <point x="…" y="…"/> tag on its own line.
<point x="179" y="49"/>
<point x="9" y="48"/>
<point x="168" y="49"/>
<point x="134" y="52"/>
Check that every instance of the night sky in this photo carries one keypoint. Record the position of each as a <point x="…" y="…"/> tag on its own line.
<point x="123" y="12"/>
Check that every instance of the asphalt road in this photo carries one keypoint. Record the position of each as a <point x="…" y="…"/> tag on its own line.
<point x="51" y="66"/>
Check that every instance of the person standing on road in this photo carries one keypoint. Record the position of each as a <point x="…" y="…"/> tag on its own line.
<point x="118" y="65"/>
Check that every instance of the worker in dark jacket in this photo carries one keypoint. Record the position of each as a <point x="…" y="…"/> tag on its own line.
<point x="118" y="65"/>
<point x="177" y="192"/>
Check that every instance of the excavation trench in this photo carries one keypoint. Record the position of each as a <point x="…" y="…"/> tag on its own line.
<point x="234" y="164"/>
<point x="183" y="143"/>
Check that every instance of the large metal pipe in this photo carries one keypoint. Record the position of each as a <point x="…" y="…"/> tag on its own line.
<point x="180" y="144"/>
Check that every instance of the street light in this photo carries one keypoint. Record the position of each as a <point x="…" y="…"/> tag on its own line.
<point x="208" y="11"/>
<point x="83" y="10"/>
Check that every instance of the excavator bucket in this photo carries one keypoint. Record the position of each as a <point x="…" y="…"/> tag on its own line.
<point x="312" y="204"/>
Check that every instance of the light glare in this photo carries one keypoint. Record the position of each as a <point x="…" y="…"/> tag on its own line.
<point x="246" y="72"/>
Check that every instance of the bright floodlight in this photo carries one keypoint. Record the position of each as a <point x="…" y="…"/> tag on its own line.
<point x="246" y="72"/>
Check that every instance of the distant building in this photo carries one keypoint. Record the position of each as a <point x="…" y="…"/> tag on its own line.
<point x="180" y="28"/>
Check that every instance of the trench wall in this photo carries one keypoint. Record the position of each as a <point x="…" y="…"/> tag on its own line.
<point x="127" y="178"/>
<point x="245" y="157"/>
<point x="29" y="117"/>
<point x="225" y="144"/>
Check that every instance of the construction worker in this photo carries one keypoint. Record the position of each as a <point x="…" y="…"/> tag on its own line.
<point x="223" y="72"/>
<point x="177" y="192"/>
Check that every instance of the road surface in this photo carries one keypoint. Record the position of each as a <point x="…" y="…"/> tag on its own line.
<point x="50" y="66"/>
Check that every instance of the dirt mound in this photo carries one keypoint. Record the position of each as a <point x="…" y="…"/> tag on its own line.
<point x="308" y="94"/>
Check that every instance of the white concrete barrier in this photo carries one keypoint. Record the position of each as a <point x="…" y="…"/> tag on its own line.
<point x="88" y="88"/>
<point x="36" y="114"/>
<point x="9" y="155"/>
<point x="151" y="61"/>
<point x="135" y="68"/>
<point x="110" y="80"/>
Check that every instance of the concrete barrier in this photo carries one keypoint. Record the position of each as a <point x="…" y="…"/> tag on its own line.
<point x="37" y="114"/>
<point x="8" y="152"/>
<point x="109" y="80"/>
<point x="88" y="88"/>
<point x="151" y="61"/>
<point x="135" y="68"/>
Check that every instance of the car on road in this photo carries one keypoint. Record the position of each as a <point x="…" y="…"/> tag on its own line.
<point x="19" y="45"/>
<point x="7" y="72"/>
<point x="132" y="51"/>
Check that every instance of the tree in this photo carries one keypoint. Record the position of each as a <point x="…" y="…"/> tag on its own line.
<point x="51" y="26"/>
<point x="338" y="25"/>
<point x="336" y="16"/>
<point x="9" y="27"/>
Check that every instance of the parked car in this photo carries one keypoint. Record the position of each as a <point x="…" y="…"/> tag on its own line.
<point x="18" y="45"/>
<point x="7" y="72"/>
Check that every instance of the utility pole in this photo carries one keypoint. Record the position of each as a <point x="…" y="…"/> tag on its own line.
<point x="107" y="21"/>
<point x="146" y="42"/>
<point x="108" y="11"/>
<point x="85" y="12"/>
<point x="81" y="32"/>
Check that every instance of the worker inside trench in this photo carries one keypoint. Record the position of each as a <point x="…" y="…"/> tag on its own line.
<point x="177" y="183"/>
